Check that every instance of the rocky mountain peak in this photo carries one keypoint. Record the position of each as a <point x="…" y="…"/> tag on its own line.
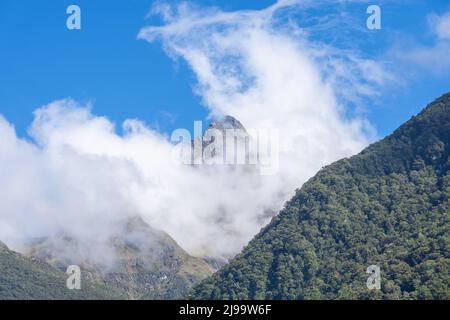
<point x="227" y="122"/>
<point x="3" y="246"/>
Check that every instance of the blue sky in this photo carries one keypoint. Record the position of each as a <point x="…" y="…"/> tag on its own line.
<point x="41" y="61"/>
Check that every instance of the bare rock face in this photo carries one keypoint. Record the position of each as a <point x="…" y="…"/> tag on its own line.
<point x="224" y="142"/>
<point x="227" y="122"/>
<point x="3" y="247"/>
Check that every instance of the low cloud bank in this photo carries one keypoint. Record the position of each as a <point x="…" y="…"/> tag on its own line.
<point x="77" y="174"/>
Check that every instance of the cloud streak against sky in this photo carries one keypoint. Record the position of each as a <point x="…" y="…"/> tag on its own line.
<point x="79" y="175"/>
<point x="434" y="57"/>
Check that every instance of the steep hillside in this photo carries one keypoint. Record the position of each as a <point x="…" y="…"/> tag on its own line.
<point x="148" y="263"/>
<point x="23" y="278"/>
<point x="387" y="206"/>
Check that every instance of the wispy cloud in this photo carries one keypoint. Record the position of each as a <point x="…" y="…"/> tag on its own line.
<point x="441" y="25"/>
<point x="434" y="58"/>
<point x="257" y="65"/>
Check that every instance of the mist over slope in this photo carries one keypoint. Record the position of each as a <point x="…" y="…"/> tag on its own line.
<point x="147" y="264"/>
<point x="26" y="279"/>
<point x="387" y="206"/>
<point x="78" y="172"/>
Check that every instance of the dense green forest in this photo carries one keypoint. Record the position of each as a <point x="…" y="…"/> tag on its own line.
<point x="387" y="206"/>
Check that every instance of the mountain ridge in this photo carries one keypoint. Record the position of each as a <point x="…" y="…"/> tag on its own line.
<point x="148" y="263"/>
<point x="386" y="206"/>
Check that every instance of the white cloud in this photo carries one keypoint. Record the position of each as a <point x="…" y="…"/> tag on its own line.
<point x="441" y="25"/>
<point x="435" y="57"/>
<point x="81" y="175"/>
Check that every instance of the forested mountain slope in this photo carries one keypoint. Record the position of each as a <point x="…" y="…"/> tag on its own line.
<point x="387" y="206"/>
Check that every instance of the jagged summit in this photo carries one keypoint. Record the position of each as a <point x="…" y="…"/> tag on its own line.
<point x="230" y="132"/>
<point x="227" y="122"/>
